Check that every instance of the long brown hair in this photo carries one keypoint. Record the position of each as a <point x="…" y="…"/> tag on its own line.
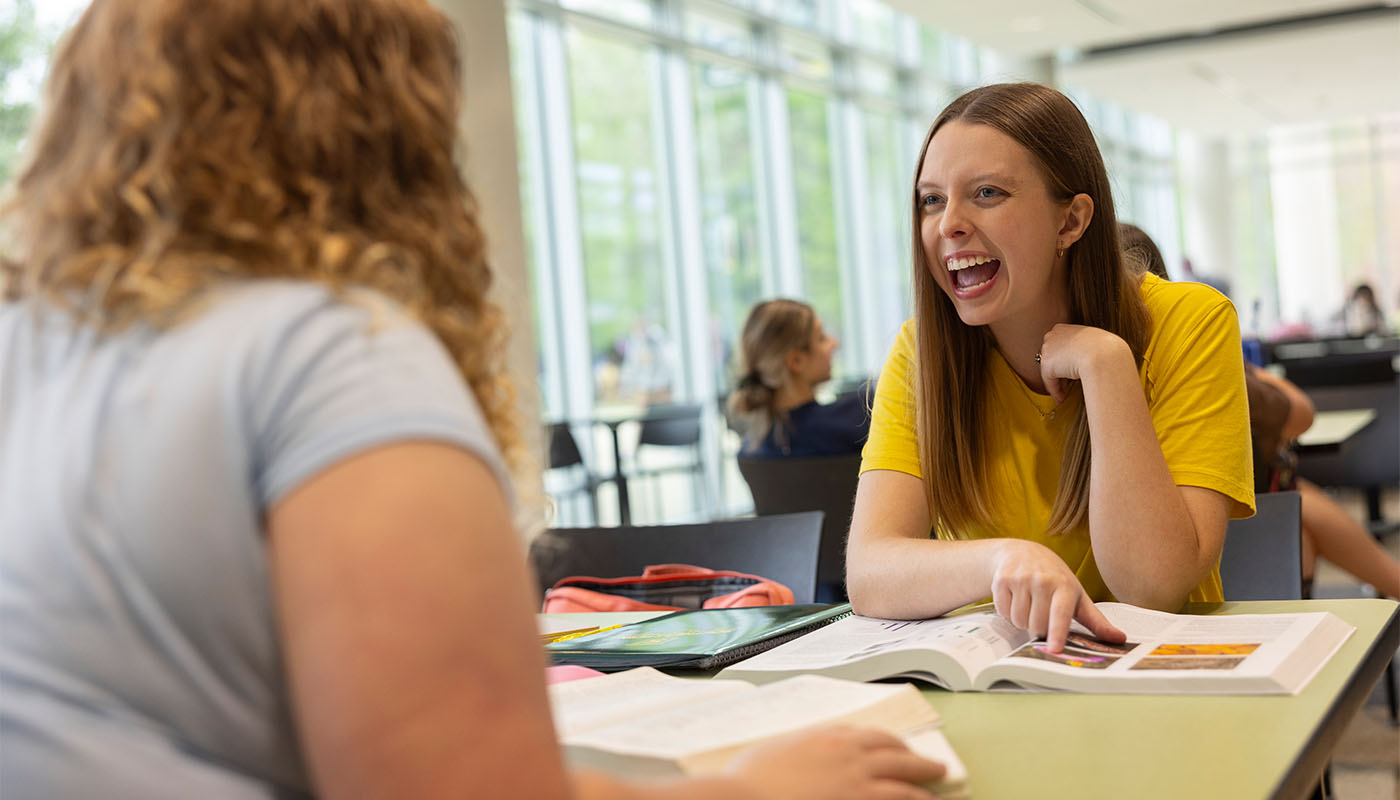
<point x="186" y="142"/>
<point x="951" y="380"/>
<point x="773" y="329"/>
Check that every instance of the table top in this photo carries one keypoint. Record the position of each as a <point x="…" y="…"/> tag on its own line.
<point x="1167" y="746"/>
<point x="1335" y="427"/>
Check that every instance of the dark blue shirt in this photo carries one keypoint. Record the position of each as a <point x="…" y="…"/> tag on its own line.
<point x="814" y="429"/>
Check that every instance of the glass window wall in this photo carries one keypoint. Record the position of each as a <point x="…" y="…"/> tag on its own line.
<point x="631" y="341"/>
<point x="730" y="213"/>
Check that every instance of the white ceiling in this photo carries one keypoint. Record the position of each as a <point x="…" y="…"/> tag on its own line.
<point x="1203" y="77"/>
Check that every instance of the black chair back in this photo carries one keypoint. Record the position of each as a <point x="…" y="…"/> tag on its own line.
<point x="569" y="476"/>
<point x="671" y="426"/>
<point x="563" y="449"/>
<point x="826" y="484"/>
<point x="1263" y="555"/>
<point x="781" y="548"/>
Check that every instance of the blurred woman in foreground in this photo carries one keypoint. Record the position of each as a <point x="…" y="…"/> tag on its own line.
<point x="254" y="526"/>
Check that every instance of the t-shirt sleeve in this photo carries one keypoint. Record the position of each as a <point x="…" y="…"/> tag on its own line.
<point x="1196" y="395"/>
<point x="344" y="377"/>
<point x="893" y="443"/>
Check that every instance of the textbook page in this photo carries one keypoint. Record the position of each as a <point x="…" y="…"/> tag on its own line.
<point x="1179" y="654"/>
<point x="594" y="703"/>
<point x="946" y="651"/>
<point x="703" y="736"/>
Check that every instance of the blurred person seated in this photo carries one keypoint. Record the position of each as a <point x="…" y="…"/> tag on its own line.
<point x="1141" y="251"/>
<point x="1328" y="530"/>
<point x="1279" y="412"/>
<point x="254" y="518"/>
<point x="1362" y="315"/>
<point x="785" y="354"/>
<point x="646" y="372"/>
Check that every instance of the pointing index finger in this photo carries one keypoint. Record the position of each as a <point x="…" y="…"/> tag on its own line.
<point x="1093" y="619"/>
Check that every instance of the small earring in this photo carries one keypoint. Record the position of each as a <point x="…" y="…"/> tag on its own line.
<point x="1059" y="249"/>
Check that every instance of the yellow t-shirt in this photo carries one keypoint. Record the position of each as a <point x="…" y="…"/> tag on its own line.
<point x="1193" y="378"/>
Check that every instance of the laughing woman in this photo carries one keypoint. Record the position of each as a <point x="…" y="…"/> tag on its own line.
<point x="1069" y="433"/>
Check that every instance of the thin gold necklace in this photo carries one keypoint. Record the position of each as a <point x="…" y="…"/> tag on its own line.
<point x="1045" y="416"/>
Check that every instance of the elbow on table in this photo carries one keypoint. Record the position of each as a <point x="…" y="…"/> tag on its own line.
<point x="864" y="594"/>
<point x="871" y="595"/>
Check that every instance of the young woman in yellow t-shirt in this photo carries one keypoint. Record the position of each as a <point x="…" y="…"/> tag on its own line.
<point x="1031" y="348"/>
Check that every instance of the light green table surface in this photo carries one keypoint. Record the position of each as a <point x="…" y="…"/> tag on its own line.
<point x="1164" y="746"/>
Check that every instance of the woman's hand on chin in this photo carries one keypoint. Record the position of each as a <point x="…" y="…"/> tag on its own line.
<point x="1077" y="353"/>
<point x="1034" y="590"/>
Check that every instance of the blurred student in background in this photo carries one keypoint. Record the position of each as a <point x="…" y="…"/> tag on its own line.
<point x="254" y="527"/>
<point x="1279" y="412"/>
<point x="1142" y="253"/>
<point x="1362" y="315"/>
<point x="1328" y="530"/>
<point x="785" y="354"/>
<point x="1030" y="341"/>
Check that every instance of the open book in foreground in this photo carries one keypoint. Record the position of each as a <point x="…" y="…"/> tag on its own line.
<point x="980" y="651"/>
<point x="642" y="722"/>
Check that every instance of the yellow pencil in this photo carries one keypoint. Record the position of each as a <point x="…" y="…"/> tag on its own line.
<point x="565" y="636"/>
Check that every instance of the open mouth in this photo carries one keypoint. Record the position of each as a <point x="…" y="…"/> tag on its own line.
<point x="973" y="272"/>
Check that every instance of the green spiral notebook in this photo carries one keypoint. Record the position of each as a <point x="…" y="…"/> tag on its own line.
<point x="704" y="639"/>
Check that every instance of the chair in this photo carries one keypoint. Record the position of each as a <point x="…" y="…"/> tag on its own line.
<point x="826" y="484"/>
<point x="1263" y="555"/>
<point x="671" y="426"/>
<point x="566" y="461"/>
<point x="1371" y="461"/>
<point x="782" y="548"/>
<point x="1263" y="560"/>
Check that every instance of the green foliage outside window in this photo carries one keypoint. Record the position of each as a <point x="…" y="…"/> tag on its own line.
<point x="21" y="42"/>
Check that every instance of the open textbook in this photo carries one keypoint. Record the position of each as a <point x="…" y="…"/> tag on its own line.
<point x="644" y="722"/>
<point x="980" y="651"/>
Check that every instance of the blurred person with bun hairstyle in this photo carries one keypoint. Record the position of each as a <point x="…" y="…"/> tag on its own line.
<point x="255" y="526"/>
<point x="785" y="354"/>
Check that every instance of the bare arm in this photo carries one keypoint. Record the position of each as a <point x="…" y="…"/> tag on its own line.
<point x="415" y="671"/>
<point x="1153" y="541"/>
<point x="894" y="570"/>
<point x="1300" y="407"/>
<point x="408" y="631"/>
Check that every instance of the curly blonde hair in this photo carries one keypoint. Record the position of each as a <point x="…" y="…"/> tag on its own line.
<point x="185" y="143"/>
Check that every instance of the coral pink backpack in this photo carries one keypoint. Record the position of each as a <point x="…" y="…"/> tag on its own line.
<point x="665" y="587"/>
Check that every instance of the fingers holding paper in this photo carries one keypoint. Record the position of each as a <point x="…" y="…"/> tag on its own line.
<point x="1034" y="590"/>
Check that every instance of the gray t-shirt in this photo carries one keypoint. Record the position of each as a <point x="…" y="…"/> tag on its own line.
<point x="138" y="649"/>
